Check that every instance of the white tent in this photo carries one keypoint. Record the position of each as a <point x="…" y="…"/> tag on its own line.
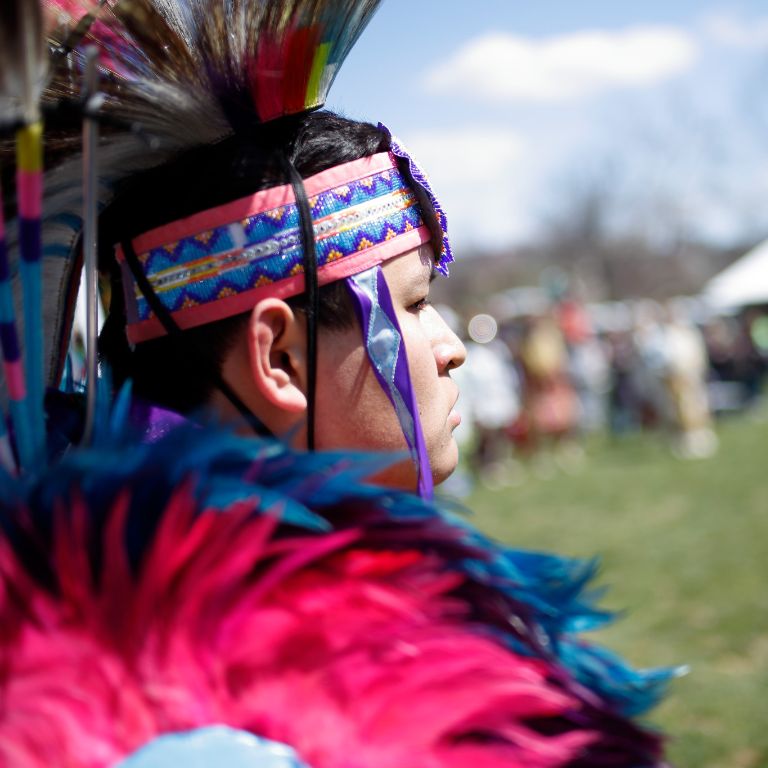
<point x="743" y="283"/>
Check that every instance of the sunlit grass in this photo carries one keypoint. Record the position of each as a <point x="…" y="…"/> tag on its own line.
<point x="684" y="547"/>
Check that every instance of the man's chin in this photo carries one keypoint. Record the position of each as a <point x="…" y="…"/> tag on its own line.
<point x="401" y="475"/>
<point x="446" y="466"/>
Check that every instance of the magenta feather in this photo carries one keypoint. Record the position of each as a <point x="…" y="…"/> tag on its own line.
<point x="174" y="669"/>
<point x="333" y="649"/>
<point x="156" y="588"/>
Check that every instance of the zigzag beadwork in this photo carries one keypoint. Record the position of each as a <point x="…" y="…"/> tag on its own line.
<point x="197" y="266"/>
<point x="243" y="276"/>
<point x="270" y="224"/>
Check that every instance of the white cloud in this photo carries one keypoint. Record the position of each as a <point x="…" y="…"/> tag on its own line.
<point x="504" y="68"/>
<point x="479" y="175"/>
<point x="470" y="155"/>
<point x="734" y="31"/>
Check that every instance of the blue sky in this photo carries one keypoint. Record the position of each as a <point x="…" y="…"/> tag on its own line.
<point x="512" y="106"/>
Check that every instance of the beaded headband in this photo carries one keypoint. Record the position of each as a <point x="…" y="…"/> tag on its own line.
<point x="220" y="262"/>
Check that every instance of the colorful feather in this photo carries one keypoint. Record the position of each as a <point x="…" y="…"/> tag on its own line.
<point x="23" y="65"/>
<point x="205" y="578"/>
<point x="29" y="185"/>
<point x="13" y="367"/>
<point x="175" y="75"/>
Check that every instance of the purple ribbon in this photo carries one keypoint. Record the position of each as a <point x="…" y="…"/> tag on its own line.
<point x="428" y="201"/>
<point x="384" y="344"/>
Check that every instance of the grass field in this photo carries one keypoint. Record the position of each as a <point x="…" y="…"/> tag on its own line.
<point x="684" y="548"/>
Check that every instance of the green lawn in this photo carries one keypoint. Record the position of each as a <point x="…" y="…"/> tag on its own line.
<point x="684" y="547"/>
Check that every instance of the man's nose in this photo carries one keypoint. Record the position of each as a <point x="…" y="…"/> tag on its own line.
<point x="450" y="351"/>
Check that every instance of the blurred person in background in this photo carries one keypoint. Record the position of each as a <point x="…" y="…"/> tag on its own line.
<point x="649" y="369"/>
<point x="546" y="428"/>
<point x="490" y="400"/>
<point x="624" y="402"/>
<point x="587" y="363"/>
<point x="752" y="352"/>
<point x="670" y="379"/>
<point x="736" y="361"/>
<point x="726" y="392"/>
<point x="686" y="368"/>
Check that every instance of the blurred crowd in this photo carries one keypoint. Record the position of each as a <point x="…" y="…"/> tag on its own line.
<point x="542" y="374"/>
<point x="538" y="381"/>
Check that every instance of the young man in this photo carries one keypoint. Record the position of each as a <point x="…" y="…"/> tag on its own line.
<point x="258" y="346"/>
<point x="272" y="265"/>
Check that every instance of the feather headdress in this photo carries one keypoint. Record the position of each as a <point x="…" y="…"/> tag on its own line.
<point x="174" y="76"/>
<point x="238" y="583"/>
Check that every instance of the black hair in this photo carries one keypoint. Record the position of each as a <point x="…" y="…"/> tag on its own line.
<point x="179" y="372"/>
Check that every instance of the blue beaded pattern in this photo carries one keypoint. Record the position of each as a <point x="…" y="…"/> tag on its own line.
<point x="265" y="248"/>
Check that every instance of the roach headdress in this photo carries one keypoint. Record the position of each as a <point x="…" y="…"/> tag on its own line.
<point x="176" y="77"/>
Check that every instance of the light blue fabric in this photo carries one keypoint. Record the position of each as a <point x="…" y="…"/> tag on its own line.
<point x="214" y="746"/>
<point x="383" y="342"/>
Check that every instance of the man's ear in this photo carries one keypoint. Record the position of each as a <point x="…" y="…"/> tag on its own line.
<point x="277" y="354"/>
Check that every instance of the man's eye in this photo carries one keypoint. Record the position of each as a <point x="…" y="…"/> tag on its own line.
<point x="419" y="305"/>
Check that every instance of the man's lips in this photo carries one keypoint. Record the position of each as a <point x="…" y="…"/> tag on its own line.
<point x="454" y="417"/>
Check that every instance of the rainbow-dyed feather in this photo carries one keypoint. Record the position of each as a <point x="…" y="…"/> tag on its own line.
<point x="294" y="60"/>
<point x="29" y="183"/>
<point x="22" y="69"/>
<point x="256" y="59"/>
<point x="207" y="578"/>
